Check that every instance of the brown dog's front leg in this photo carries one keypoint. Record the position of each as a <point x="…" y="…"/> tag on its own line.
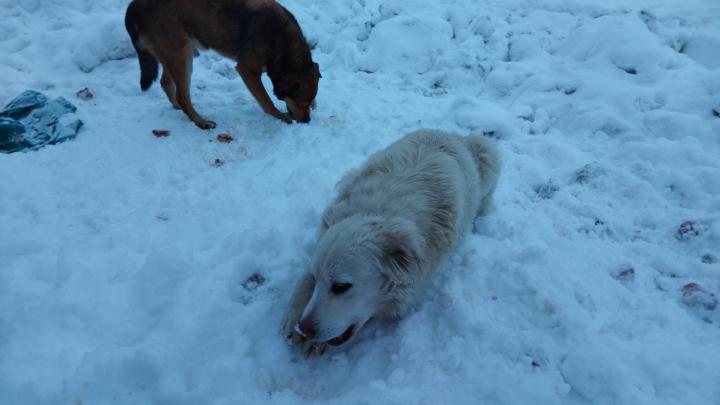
<point x="300" y="297"/>
<point x="254" y="84"/>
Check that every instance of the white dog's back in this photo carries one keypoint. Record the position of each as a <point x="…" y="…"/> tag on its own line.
<point x="437" y="180"/>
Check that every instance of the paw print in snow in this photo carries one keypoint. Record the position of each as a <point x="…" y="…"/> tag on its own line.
<point x="689" y="229"/>
<point x="694" y="295"/>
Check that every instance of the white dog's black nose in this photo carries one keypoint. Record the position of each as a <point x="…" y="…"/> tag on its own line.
<point x="297" y="330"/>
<point x="306" y="327"/>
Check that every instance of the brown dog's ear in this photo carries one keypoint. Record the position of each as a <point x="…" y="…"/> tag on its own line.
<point x="284" y="87"/>
<point x="316" y="68"/>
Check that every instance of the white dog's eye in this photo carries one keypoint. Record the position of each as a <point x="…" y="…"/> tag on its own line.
<point x="339" y="288"/>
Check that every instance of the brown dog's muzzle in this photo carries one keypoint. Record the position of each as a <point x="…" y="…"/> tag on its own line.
<point x="299" y="112"/>
<point x="303" y="118"/>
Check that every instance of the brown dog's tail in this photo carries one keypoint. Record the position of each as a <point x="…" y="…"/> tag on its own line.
<point x="148" y="63"/>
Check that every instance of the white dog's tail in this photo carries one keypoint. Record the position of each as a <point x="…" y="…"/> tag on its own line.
<point x="487" y="159"/>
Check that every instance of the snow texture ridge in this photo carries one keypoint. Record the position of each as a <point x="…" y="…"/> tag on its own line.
<point x="137" y="269"/>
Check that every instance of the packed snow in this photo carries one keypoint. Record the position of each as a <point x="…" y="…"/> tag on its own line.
<point x="137" y="269"/>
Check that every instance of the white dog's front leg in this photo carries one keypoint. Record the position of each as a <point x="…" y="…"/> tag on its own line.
<point x="298" y="301"/>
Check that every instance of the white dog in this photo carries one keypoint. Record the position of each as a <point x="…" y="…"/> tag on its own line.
<point x="392" y="223"/>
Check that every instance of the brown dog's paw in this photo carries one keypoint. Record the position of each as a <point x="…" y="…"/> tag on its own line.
<point x="206" y="124"/>
<point x="210" y="125"/>
<point x="284" y="117"/>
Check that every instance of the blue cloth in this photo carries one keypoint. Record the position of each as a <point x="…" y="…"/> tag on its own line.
<point x="31" y="121"/>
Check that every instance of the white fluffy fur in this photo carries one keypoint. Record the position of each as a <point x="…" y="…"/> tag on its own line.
<point x="391" y="224"/>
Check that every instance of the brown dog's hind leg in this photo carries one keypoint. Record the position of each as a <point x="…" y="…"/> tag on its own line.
<point x="168" y="85"/>
<point x="179" y="65"/>
<point x="251" y="78"/>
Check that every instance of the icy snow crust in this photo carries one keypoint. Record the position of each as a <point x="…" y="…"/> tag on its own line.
<point x="128" y="262"/>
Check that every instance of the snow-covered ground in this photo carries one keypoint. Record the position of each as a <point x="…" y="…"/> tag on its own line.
<point x="134" y="270"/>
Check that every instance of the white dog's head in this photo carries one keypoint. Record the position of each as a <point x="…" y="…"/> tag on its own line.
<point x="359" y="265"/>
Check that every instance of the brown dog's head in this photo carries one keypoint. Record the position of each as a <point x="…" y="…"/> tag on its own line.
<point x="298" y="90"/>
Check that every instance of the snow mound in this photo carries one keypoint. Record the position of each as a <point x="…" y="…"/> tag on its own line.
<point x="143" y="269"/>
<point x="407" y="43"/>
<point x="102" y="41"/>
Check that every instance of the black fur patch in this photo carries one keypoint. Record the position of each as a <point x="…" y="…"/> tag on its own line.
<point x="148" y="63"/>
<point x="265" y="28"/>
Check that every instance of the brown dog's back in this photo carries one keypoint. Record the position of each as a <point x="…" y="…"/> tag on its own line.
<point x="258" y="34"/>
<point x="226" y="26"/>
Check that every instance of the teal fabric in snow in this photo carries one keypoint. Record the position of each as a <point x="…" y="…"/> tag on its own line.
<point x="32" y="121"/>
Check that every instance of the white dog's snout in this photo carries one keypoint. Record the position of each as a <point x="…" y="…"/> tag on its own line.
<point x="297" y="330"/>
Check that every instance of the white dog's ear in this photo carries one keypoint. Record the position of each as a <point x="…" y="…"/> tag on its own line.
<point x="400" y="251"/>
<point x="399" y="262"/>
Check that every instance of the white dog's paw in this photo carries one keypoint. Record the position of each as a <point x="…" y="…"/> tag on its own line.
<point x="292" y="337"/>
<point x="311" y="349"/>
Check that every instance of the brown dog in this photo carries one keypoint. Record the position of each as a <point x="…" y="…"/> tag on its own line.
<point x="260" y="35"/>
